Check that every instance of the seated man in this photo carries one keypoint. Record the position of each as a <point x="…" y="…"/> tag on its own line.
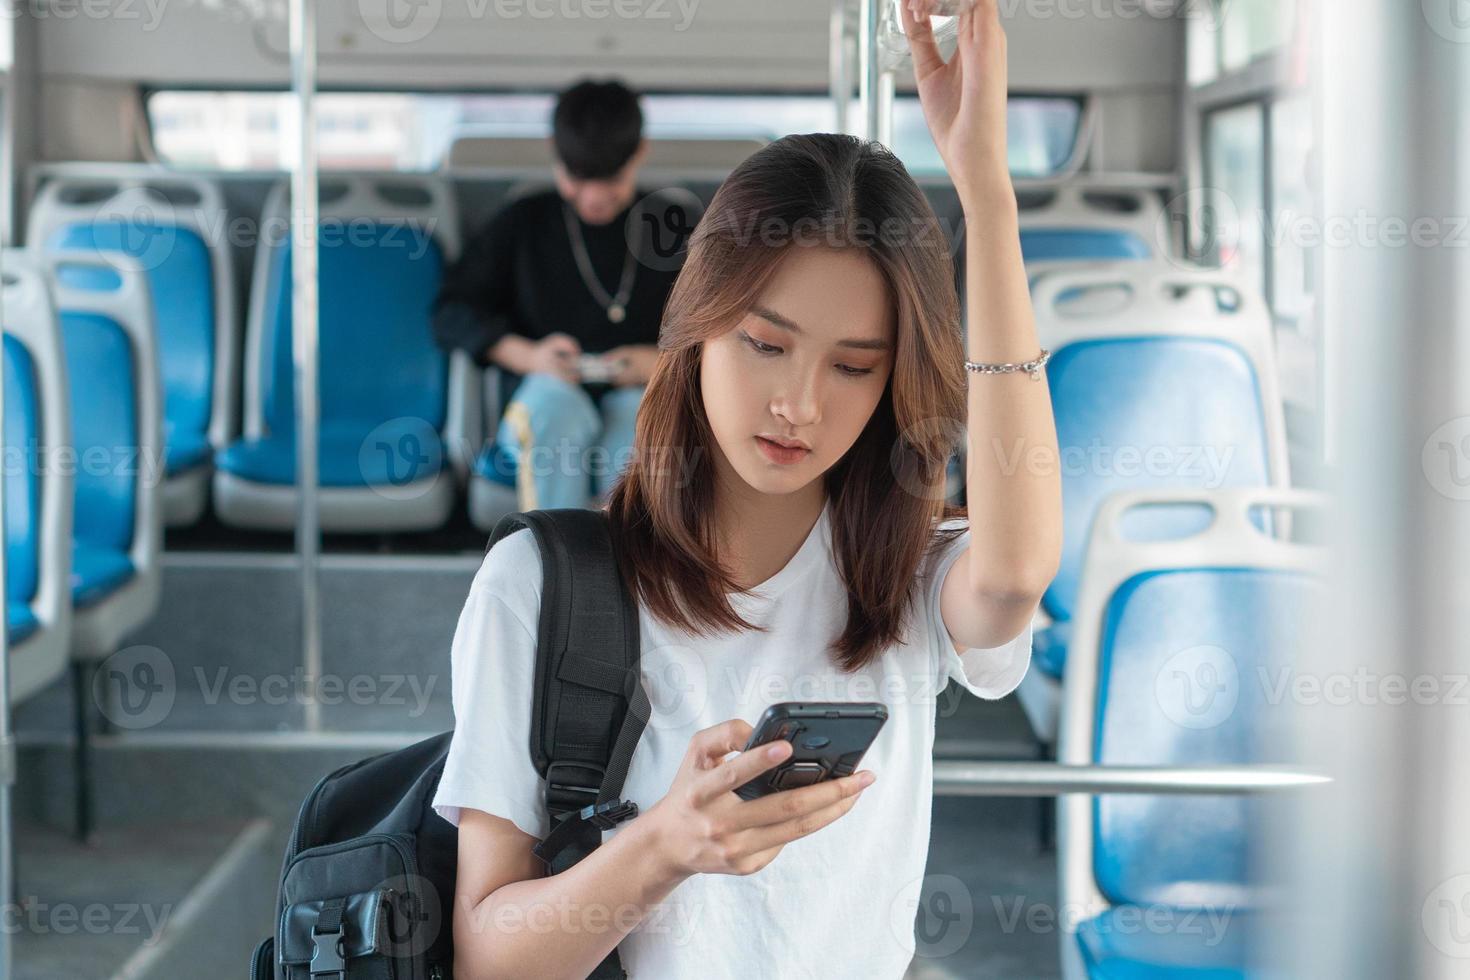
<point x="561" y="274"/>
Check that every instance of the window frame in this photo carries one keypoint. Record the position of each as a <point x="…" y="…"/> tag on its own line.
<point x="1207" y="156"/>
<point x="1268" y="100"/>
<point x="1311" y="255"/>
<point x="1270" y="78"/>
<point x="1266" y="80"/>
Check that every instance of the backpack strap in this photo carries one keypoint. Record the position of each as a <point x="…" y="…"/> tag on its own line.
<point x="583" y="732"/>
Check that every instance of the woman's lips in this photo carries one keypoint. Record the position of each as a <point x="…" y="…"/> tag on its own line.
<point x="783" y="455"/>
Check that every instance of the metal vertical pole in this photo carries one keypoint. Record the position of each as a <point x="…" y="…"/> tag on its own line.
<point x="882" y="122"/>
<point x="868" y="63"/>
<point x="304" y="349"/>
<point x="837" y="65"/>
<point x="876" y="84"/>
<point x="7" y="740"/>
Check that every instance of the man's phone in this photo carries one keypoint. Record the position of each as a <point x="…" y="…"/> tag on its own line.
<point x="599" y="367"/>
<point x="828" y="739"/>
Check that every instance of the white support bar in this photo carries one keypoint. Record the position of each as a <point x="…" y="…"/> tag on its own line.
<point x="955" y="778"/>
<point x="305" y="347"/>
<point x="839" y="78"/>
<point x="876" y="81"/>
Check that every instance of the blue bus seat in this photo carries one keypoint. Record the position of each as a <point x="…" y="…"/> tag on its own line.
<point x="1115" y="947"/>
<point x="38" y="490"/>
<point x="1171" y="640"/>
<point x="1159" y="392"/>
<point x="1093" y="218"/>
<point x="99" y="363"/>
<point x="165" y="221"/>
<point x="393" y="407"/>
<point x="22" y="491"/>
<point x="1082" y="244"/>
<point x="108" y="342"/>
<point x="1165" y="391"/>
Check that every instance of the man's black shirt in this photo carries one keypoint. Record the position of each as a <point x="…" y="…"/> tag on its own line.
<point x="520" y="276"/>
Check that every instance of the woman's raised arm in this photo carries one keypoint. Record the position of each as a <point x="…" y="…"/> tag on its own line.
<point x="1013" y="480"/>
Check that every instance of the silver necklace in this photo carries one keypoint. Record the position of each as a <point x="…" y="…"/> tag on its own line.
<point x="616" y="306"/>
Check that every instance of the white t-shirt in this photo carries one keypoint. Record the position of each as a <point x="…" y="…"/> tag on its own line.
<point x="838" y="903"/>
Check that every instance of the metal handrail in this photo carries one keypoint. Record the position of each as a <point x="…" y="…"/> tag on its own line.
<point x="959" y="778"/>
<point x="305" y="340"/>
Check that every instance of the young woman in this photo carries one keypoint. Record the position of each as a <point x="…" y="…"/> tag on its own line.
<point x="783" y="528"/>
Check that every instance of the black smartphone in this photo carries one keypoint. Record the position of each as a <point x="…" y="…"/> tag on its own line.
<point x="828" y="739"/>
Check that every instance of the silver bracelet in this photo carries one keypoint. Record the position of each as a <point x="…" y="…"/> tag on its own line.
<point x="1032" y="368"/>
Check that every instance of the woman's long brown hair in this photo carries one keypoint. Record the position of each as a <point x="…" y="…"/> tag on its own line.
<point x="887" y="492"/>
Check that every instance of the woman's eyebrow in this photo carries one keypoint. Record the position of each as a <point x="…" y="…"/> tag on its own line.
<point x="859" y="343"/>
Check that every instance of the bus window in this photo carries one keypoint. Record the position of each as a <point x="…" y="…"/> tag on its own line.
<point x="376" y="131"/>
<point x="1042" y="131"/>
<point x="1251" y="28"/>
<point x="1235" y="170"/>
<point x="1224" y="37"/>
<point x="1203" y="45"/>
<point x="1292" y="203"/>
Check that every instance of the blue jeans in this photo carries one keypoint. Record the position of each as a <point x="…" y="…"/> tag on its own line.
<point x="570" y="439"/>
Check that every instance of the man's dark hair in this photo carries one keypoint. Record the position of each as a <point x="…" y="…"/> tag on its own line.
<point x="596" y="128"/>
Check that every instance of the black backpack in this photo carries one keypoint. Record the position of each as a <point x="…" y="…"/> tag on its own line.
<point x="367" y="886"/>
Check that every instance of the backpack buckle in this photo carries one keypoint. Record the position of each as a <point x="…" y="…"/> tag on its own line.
<point x="606" y="816"/>
<point x="326" y="958"/>
<point x="573" y="826"/>
<point x="572" y="785"/>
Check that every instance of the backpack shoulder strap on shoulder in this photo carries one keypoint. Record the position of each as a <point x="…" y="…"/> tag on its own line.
<point x="589" y="708"/>
<point x="586" y="660"/>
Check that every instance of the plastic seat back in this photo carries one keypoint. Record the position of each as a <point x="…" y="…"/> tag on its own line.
<point x="167" y="222"/>
<point x="1156" y="392"/>
<point x="1092" y="219"/>
<point x="1178" y="650"/>
<point x="383" y="244"/>
<point x="1181" y="663"/>
<point x="378" y="358"/>
<point x="107" y="338"/>
<point x="38" y="483"/>
<point x="102" y="366"/>
<point x="1081" y="244"/>
<point x="22" y="480"/>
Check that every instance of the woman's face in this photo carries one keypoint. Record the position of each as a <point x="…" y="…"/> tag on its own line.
<point x="808" y="364"/>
